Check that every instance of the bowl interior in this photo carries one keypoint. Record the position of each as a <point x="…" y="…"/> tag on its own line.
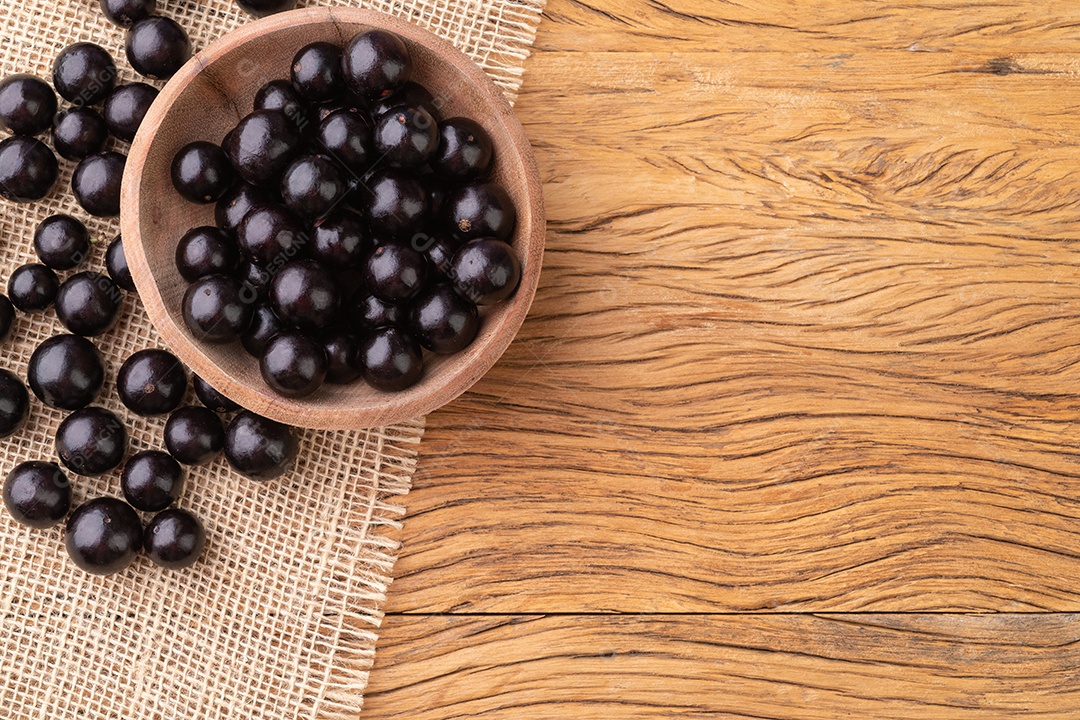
<point x="205" y="100"/>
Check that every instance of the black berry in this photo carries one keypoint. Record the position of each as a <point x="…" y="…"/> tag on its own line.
<point x="79" y="132"/>
<point x="259" y="448"/>
<point x="443" y="321"/>
<point x="126" y="107"/>
<point x="66" y="372"/>
<point x="91" y="441"/>
<point x="96" y="183"/>
<point x="262" y="146"/>
<point x="151" y="382"/>
<point x="215" y="310"/>
<point x="206" y="251"/>
<point x="84" y="73"/>
<point x="32" y="288"/>
<point x="174" y="539"/>
<point x="305" y="294"/>
<point x="103" y="536"/>
<point x="116" y="264"/>
<point x="201" y="172"/>
<point x="37" y="494"/>
<point x="152" y="480"/>
<point x="376" y="63"/>
<point x="392" y="359"/>
<point x="157" y="47"/>
<point x="27" y="105"/>
<point x="28" y="169"/>
<point x="126" y="13"/>
<point x="194" y="435"/>
<point x="88" y="303"/>
<point x="14" y="403"/>
<point x="61" y="242"/>
<point x="316" y="72"/>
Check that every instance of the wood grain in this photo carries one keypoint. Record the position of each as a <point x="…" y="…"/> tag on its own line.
<point x="205" y="99"/>
<point x="799" y="667"/>
<point x="805" y="337"/>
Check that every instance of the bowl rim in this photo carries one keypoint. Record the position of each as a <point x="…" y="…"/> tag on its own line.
<point x="393" y="407"/>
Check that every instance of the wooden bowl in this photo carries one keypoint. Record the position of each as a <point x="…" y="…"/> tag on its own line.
<point x="206" y="99"/>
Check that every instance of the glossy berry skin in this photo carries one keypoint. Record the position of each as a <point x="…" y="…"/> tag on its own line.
<point x="262" y="8"/>
<point x="7" y="317"/>
<point x="410" y="94"/>
<point x="201" y="172"/>
<point x="259" y="448"/>
<point x="84" y="73"/>
<point x="14" y="403"/>
<point x="37" y="494"/>
<point x="88" y="303"/>
<point x="395" y="273"/>
<point x="91" y="441"/>
<point x="406" y="137"/>
<point x="61" y="242"/>
<point x="174" y="539"/>
<point x="28" y="169"/>
<point x="375" y="64"/>
<point x="32" y="288"/>
<point x="486" y="271"/>
<point x="316" y="72"/>
<point x="157" y="47"/>
<point x="96" y="183"/>
<point x="397" y="207"/>
<point x="126" y="13"/>
<point x="392" y="359"/>
<point x="79" y="132"/>
<point x="116" y="265"/>
<point x="312" y="186"/>
<point x="262" y="146"/>
<point x="340" y="241"/>
<point x="465" y="150"/>
<point x="194" y="435"/>
<point x="211" y="398"/>
<point x="293" y="364"/>
<point x="481" y="210"/>
<point x="265" y="324"/>
<point x="368" y="312"/>
<point x="342" y="349"/>
<point x="238" y="202"/>
<point x="271" y="235"/>
<point x="27" y="105"/>
<point x="66" y="372"/>
<point x="151" y="382"/>
<point x="206" y="251"/>
<point x="103" y="536"/>
<point x="152" y="480"/>
<point x="126" y="107"/>
<point x="215" y="310"/>
<point x="305" y="294"/>
<point x="280" y="95"/>
<point x="346" y="137"/>
<point x="443" y="321"/>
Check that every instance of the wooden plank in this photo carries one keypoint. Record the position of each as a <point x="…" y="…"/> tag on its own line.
<point x="783" y="667"/>
<point x="1005" y="27"/>
<point x="805" y="337"/>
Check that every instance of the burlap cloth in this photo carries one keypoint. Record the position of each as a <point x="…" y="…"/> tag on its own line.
<point x="279" y="618"/>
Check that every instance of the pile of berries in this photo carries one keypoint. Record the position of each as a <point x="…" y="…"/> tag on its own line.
<point x="355" y="227"/>
<point x="67" y="371"/>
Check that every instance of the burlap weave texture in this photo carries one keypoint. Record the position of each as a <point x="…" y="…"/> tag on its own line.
<point x="279" y="618"/>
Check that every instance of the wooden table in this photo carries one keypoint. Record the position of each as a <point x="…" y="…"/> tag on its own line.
<point x="791" y="431"/>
